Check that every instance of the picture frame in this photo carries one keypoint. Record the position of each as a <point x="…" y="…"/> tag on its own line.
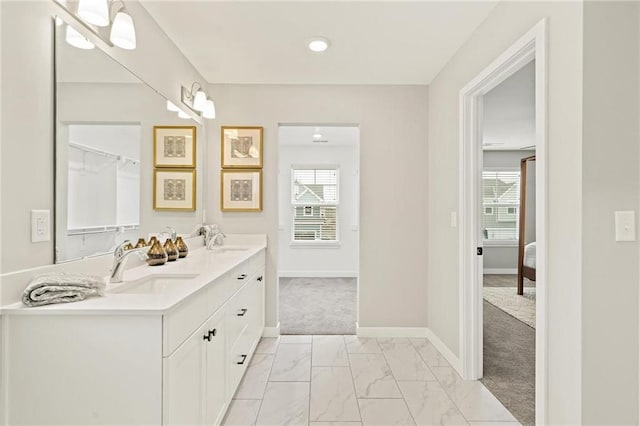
<point x="241" y="190"/>
<point x="174" y="146"/>
<point x="242" y="147"/>
<point x="174" y="190"/>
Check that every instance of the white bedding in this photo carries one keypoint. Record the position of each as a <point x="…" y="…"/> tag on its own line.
<point x="530" y="255"/>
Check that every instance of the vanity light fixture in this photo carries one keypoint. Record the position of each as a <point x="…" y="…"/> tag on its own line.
<point x="95" y="12"/>
<point x="123" y="32"/>
<point x="318" y="44"/>
<point x="75" y="39"/>
<point x="198" y="101"/>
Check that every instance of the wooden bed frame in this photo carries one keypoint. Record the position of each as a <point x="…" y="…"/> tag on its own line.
<point x="523" y="271"/>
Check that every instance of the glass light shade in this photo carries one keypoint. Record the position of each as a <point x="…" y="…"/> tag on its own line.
<point x="172" y="107"/>
<point x="95" y="12"/>
<point x="75" y="39"/>
<point x="183" y="114"/>
<point x="209" y="110"/>
<point x="199" y="100"/>
<point x="123" y="32"/>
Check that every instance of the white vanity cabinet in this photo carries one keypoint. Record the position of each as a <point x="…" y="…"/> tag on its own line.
<point x="180" y="366"/>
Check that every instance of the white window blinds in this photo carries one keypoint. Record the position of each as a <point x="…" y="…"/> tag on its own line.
<point x="314" y="199"/>
<point x="501" y="205"/>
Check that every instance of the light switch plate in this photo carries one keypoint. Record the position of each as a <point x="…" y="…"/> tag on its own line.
<point x="625" y="225"/>
<point x="40" y="226"/>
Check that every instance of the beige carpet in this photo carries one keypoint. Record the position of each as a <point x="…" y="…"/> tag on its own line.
<point x="521" y="307"/>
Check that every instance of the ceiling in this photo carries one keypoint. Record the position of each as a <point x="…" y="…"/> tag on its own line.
<point x="509" y="119"/>
<point x="331" y="135"/>
<point x="372" y="42"/>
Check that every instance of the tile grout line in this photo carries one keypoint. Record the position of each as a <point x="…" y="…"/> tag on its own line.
<point x="310" y="378"/>
<point x="353" y="381"/>
<point x="267" y="385"/>
<point x="397" y="381"/>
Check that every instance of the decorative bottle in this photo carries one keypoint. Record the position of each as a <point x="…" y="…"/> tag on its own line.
<point x="156" y="254"/>
<point x="172" y="251"/>
<point x="183" y="250"/>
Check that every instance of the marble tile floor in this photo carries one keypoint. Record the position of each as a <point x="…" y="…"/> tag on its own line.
<point x="351" y="381"/>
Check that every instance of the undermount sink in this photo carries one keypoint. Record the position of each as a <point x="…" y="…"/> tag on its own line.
<point x="228" y="249"/>
<point x="153" y="284"/>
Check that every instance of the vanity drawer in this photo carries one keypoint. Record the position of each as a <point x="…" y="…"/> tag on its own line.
<point x="239" y="358"/>
<point x="241" y="312"/>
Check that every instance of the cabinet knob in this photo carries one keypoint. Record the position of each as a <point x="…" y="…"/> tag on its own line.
<point x="242" y="276"/>
<point x="242" y="312"/>
<point x="260" y="278"/>
<point x="243" y="358"/>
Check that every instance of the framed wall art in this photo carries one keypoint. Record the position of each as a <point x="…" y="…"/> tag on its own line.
<point x="174" y="146"/>
<point x="241" y="147"/>
<point x="241" y="190"/>
<point x="174" y="189"/>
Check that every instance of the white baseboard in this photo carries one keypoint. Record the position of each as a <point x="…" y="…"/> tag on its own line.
<point x="318" y="274"/>
<point x="271" y="331"/>
<point x="445" y="351"/>
<point x="391" y="331"/>
<point x="501" y="271"/>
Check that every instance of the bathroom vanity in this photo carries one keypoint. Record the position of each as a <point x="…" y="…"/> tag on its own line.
<point x="167" y="346"/>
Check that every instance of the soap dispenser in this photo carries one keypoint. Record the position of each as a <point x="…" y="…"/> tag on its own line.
<point x="172" y="251"/>
<point x="156" y="254"/>
<point x="183" y="250"/>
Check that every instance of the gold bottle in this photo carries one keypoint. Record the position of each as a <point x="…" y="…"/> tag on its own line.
<point x="183" y="250"/>
<point x="172" y="251"/>
<point x="141" y="243"/>
<point x="151" y="241"/>
<point x="156" y="254"/>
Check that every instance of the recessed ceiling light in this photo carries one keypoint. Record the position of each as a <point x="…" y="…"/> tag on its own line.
<point x="318" y="44"/>
<point x="317" y="135"/>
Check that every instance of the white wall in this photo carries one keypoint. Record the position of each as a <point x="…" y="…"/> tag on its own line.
<point x="506" y="256"/>
<point x="610" y="176"/>
<point x="393" y="203"/>
<point x="506" y="24"/>
<point x="303" y="260"/>
<point x="27" y="112"/>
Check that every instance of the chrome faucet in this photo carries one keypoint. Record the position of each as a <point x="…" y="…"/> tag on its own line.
<point x="215" y="237"/>
<point x="120" y="255"/>
<point x="171" y="234"/>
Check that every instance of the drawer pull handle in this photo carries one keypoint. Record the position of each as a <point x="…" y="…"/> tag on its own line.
<point x="260" y="278"/>
<point x="242" y="277"/>
<point x="213" y="332"/>
<point x="207" y="337"/>
<point x="242" y="312"/>
<point x="244" y="358"/>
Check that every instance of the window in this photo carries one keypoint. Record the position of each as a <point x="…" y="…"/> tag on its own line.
<point x="314" y="200"/>
<point x="501" y="205"/>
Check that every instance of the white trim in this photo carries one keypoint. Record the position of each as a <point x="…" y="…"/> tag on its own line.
<point x="391" y="331"/>
<point x="501" y="271"/>
<point x="318" y="274"/>
<point x="271" y="331"/>
<point x="444" y="351"/>
<point x="533" y="45"/>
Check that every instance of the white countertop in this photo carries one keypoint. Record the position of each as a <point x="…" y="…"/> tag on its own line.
<point x="208" y="265"/>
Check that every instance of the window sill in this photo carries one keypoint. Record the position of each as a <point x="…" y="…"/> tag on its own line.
<point x="494" y="243"/>
<point x="315" y="244"/>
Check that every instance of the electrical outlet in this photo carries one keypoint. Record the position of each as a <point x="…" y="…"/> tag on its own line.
<point x="40" y="226"/>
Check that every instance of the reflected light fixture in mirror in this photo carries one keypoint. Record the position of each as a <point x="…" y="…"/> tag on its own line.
<point x="198" y="101"/>
<point x="172" y="107"/>
<point x="95" y="12"/>
<point x="123" y="32"/>
<point x="75" y="39"/>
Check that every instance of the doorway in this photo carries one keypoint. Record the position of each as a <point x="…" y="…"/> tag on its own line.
<point x="318" y="229"/>
<point x="528" y="51"/>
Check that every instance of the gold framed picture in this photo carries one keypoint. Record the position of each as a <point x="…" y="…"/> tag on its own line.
<point x="241" y="147"/>
<point x="174" y="146"/>
<point x="174" y="189"/>
<point x="241" y="190"/>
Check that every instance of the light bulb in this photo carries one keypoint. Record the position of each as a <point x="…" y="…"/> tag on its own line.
<point x="183" y="114"/>
<point x="123" y="32"/>
<point x="318" y="44"/>
<point x="75" y="39"/>
<point x="209" y="110"/>
<point x="95" y="12"/>
<point x="200" y="100"/>
<point x="172" y="107"/>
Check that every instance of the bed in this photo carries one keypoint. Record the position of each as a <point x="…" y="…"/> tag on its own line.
<point x="526" y="251"/>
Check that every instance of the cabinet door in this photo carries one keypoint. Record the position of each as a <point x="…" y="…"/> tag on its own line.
<point x="216" y="395"/>
<point x="184" y="383"/>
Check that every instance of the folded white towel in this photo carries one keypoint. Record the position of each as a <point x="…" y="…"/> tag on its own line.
<point x="57" y="287"/>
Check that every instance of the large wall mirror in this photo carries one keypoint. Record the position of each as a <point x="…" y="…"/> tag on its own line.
<point x="104" y="152"/>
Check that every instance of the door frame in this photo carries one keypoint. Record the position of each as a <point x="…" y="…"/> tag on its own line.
<point x="532" y="45"/>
